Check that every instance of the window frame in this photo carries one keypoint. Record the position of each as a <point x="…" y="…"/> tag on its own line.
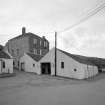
<point x="35" y="41"/>
<point x="35" y="51"/>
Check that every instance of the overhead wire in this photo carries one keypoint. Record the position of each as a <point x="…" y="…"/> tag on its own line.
<point x="92" y="13"/>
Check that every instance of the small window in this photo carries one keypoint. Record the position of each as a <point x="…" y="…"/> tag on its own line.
<point x="45" y="44"/>
<point x="35" y="51"/>
<point x="3" y="64"/>
<point x="62" y="65"/>
<point x="13" y="63"/>
<point x="33" y="65"/>
<point x="40" y="52"/>
<point x="35" y="41"/>
<point x="75" y="70"/>
<point x="40" y="42"/>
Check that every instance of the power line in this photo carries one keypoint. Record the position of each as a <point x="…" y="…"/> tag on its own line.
<point x="92" y="13"/>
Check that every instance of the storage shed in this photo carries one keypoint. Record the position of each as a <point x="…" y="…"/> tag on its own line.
<point x="29" y="63"/>
<point x="68" y="65"/>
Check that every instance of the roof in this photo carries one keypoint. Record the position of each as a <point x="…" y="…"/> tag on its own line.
<point x="29" y="34"/>
<point x="4" y="55"/>
<point x="79" y="58"/>
<point x="35" y="57"/>
<point x="1" y="47"/>
<point x="100" y="62"/>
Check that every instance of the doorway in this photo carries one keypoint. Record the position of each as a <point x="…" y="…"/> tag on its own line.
<point x="22" y="66"/>
<point x="46" y="68"/>
<point x="100" y="69"/>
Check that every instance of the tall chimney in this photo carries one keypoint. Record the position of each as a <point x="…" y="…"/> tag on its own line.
<point x="23" y="30"/>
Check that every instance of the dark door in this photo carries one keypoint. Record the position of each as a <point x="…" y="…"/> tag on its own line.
<point x="46" y="68"/>
<point x="22" y="66"/>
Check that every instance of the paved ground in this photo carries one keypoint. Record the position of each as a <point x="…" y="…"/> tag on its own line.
<point x="31" y="89"/>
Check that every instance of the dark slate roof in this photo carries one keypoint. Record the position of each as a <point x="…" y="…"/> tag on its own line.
<point x="1" y="47"/>
<point x="29" y="34"/>
<point x="4" y="55"/>
<point x="79" y="58"/>
<point x="35" y="57"/>
<point x="100" y="62"/>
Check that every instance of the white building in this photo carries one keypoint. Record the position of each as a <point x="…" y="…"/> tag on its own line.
<point x="68" y="65"/>
<point x="29" y="63"/>
<point x="6" y="63"/>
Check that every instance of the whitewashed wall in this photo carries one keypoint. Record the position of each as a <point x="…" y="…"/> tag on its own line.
<point x="28" y="61"/>
<point x="90" y="70"/>
<point x="69" y="66"/>
<point x="8" y="66"/>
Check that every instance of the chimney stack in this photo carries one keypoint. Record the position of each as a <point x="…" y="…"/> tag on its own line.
<point x="43" y="37"/>
<point x="23" y="30"/>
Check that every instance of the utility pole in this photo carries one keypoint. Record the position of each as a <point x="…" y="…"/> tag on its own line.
<point x="55" y="53"/>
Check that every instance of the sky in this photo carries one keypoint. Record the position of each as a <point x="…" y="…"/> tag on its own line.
<point x="44" y="17"/>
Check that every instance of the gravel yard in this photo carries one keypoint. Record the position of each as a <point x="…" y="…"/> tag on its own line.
<point x="31" y="89"/>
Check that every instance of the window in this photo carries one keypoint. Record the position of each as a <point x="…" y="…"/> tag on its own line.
<point x="40" y="52"/>
<point x="35" y="41"/>
<point x="3" y="64"/>
<point x="75" y="70"/>
<point x="40" y="42"/>
<point x="33" y="65"/>
<point x="13" y="63"/>
<point x="35" y="51"/>
<point x="45" y="44"/>
<point x="62" y="65"/>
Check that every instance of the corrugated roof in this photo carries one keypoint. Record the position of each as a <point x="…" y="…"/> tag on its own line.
<point x="4" y="55"/>
<point x="79" y="58"/>
<point x="35" y="57"/>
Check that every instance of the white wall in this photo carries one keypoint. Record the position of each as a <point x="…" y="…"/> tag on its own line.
<point x="90" y="70"/>
<point x="69" y="66"/>
<point x="28" y="61"/>
<point x="8" y="66"/>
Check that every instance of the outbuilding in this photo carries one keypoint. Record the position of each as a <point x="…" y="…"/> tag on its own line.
<point x="6" y="63"/>
<point x="68" y="65"/>
<point x="29" y="63"/>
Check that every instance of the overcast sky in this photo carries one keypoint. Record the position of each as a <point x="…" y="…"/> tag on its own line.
<point x="44" y="16"/>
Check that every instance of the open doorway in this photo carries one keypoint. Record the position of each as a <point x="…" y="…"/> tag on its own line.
<point x="99" y="69"/>
<point x="46" y="68"/>
<point x="22" y="66"/>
